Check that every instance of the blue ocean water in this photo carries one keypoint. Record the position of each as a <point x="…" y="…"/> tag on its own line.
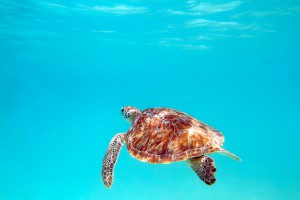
<point x="67" y="67"/>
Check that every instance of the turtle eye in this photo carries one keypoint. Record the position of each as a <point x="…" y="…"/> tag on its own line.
<point x="125" y="113"/>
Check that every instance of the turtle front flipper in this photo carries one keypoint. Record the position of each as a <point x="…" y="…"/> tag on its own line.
<point x="204" y="168"/>
<point x="110" y="158"/>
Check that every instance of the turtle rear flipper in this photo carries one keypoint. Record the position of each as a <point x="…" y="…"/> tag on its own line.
<point x="204" y="168"/>
<point x="110" y="159"/>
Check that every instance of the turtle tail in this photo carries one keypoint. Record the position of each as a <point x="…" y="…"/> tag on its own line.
<point x="229" y="154"/>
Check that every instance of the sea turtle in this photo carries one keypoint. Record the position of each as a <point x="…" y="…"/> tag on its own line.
<point x="165" y="135"/>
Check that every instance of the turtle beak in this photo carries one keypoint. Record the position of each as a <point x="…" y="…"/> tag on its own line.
<point x="124" y="113"/>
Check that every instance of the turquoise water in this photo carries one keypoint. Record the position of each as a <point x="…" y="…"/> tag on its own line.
<point x="67" y="67"/>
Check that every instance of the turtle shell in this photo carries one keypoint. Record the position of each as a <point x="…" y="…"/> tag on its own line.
<point x="164" y="135"/>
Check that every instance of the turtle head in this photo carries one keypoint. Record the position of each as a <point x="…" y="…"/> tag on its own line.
<point x="130" y="113"/>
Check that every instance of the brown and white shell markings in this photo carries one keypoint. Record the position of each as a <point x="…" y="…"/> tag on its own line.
<point x="164" y="135"/>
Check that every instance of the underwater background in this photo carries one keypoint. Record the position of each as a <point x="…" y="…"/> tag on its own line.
<point x="67" y="68"/>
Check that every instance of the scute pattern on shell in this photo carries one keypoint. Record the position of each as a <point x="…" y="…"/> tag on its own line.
<point x="163" y="135"/>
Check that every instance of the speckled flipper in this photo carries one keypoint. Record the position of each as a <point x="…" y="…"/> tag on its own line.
<point x="110" y="159"/>
<point x="204" y="168"/>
